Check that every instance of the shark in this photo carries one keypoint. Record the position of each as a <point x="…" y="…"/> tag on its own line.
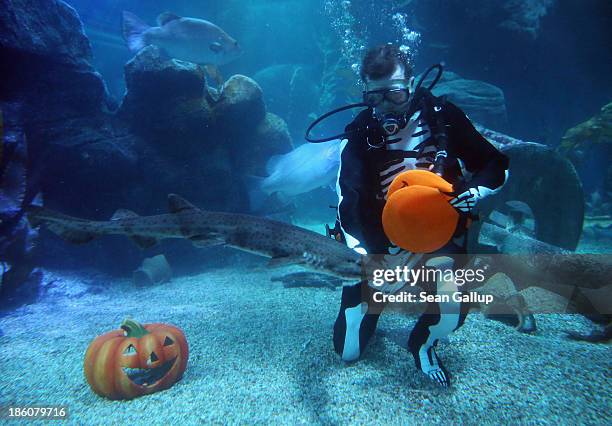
<point x="284" y="244"/>
<point x="583" y="279"/>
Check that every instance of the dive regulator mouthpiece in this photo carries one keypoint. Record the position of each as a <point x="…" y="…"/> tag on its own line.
<point x="391" y="126"/>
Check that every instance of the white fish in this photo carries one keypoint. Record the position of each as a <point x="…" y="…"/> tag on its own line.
<point x="188" y="39"/>
<point x="307" y="167"/>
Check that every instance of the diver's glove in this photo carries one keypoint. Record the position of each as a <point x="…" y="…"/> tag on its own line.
<point x="466" y="201"/>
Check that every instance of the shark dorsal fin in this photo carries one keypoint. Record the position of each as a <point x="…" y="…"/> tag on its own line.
<point x="123" y="214"/>
<point x="166" y="17"/>
<point x="177" y="204"/>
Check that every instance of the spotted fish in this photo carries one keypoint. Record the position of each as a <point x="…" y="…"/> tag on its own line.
<point x="283" y="243"/>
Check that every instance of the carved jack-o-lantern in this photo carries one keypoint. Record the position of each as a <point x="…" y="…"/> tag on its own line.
<point x="136" y="360"/>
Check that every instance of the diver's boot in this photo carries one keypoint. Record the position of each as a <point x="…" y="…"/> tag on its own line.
<point x="436" y="323"/>
<point x="426" y="360"/>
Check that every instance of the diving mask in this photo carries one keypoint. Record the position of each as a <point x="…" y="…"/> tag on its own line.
<point x="397" y="94"/>
<point x="395" y="91"/>
<point x="390" y="115"/>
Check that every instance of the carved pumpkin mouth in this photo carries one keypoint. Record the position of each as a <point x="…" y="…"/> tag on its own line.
<point x="148" y="376"/>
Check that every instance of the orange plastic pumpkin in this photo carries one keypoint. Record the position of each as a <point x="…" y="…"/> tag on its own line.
<point x="417" y="216"/>
<point x="136" y="360"/>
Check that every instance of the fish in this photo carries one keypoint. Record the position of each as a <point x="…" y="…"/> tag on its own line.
<point x="596" y="336"/>
<point x="530" y="259"/>
<point x="283" y="243"/>
<point x="188" y="39"/>
<point x="583" y="279"/>
<point x="307" y="167"/>
<point x="596" y="130"/>
<point x="308" y="279"/>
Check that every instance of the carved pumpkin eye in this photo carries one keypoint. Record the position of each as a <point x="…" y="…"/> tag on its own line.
<point x="130" y="351"/>
<point x="168" y="341"/>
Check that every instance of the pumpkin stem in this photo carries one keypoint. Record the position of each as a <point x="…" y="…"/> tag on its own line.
<point x="133" y="328"/>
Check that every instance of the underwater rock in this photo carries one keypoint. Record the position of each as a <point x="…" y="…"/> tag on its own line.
<point x="274" y="81"/>
<point x="148" y="74"/>
<point x="44" y="28"/>
<point x="240" y="104"/>
<point x="79" y="155"/>
<point x="20" y="286"/>
<point x="165" y="97"/>
<point x="19" y="282"/>
<point x="482" y="102"/>
<point x="539" y="191"/>
<point x="154" y="270"/>
<point x="588" y="146"/>
<point x="51" y="92"/>
<point x="525" y="15"/>
<point x="596" y="130"/>
<point x="271" y="138"/>
<point x="89" y="158"/>
<point x="169" y="100"/>
<point x="46" y="59"/>
<point x="292" y="92"/>
<point x="590" y="139"/>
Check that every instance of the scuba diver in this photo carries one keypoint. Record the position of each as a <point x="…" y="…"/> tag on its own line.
<point x="405" y="127"/>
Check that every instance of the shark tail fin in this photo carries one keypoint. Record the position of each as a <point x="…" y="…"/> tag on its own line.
<point x="60" y="224"/>
<point x="134" y="31"/>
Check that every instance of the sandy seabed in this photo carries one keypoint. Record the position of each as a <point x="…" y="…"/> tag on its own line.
<point x="262" y="354"/>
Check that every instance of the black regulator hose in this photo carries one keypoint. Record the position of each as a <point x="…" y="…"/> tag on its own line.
<point x="327" y="114"/>
<point x="426" y="73"/>
<point x="416" y="92"/>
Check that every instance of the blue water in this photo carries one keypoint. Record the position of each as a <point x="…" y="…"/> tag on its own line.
<point x="88" y="134"/>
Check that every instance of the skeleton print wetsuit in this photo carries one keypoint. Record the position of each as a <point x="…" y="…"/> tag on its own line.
<point x="363" y="179"/>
